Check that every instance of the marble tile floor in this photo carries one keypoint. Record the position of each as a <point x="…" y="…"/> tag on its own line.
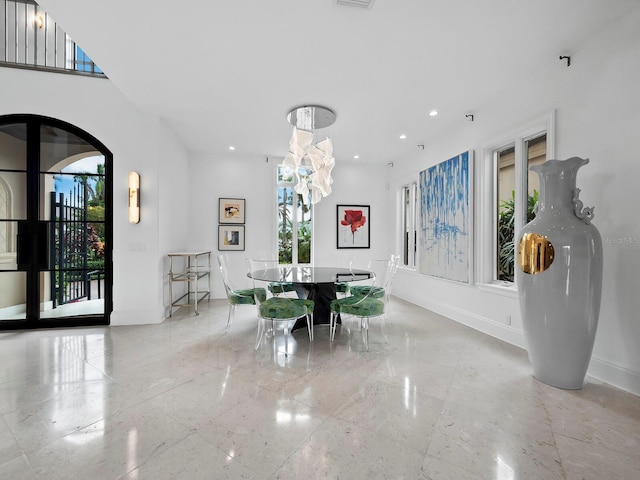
<point x="184" y="399"/>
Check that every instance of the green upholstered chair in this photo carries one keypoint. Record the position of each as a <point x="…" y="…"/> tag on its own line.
<point x="282" y="309"/>
<point x="361" y="290"/>
<point x="366" y="301"/>
<point x="236" y="296"/>
<point x="280" y="288"/>
<point x="385" y="271"/>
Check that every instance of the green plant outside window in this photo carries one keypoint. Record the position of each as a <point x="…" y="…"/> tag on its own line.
<point x="506" y="234"/>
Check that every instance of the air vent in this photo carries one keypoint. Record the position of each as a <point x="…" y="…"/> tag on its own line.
<point x="365" y="4"/>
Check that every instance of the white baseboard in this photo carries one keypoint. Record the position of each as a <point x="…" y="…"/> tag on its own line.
<point x="477" y="322"/>
<point x="137" y="317"/>
<point x="615" y="375"/>
<point x="602" y="370"/>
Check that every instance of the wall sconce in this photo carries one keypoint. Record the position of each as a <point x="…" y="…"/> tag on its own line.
<point x="134" y="197"/>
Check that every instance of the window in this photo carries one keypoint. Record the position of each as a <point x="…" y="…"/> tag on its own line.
<point x="510" y="196"/>
<point x="409" y="198"/>
<point x="509" y="208"/>
<point x="83" y="63"/>
<point x="295" y="226"/>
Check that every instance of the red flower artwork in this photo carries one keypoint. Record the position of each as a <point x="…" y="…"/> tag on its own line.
<point x="353" y="218"/>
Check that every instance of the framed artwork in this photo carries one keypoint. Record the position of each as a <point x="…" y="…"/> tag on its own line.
<point x="446" y="219"/>
<point x="230" y="237"/>
<point x="231" y="210"/>
<point x="353" y="226"/>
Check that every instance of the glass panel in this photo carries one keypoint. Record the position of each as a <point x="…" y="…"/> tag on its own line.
<point x="3" y="40"/>
<point x="73" y="244"/>
<point x="59" y="148"/>
<point x="294" y="218"/>
<point x="72" y="293"/>
<point x="71" y="190"/>
<point x="84" y="63"/>
<point x="13" y="195"/>
<point x="52" y="33"/>
<point x="10" y="24"/>
<point x="13" y="145"/>
<point x="409" y="222"/>
<point x="285" y="232"/>
<point x="506" y="182"/>
<point x="21" y="32"/>
<point x="414" y="228"/>
<point x="40" y="32"/>
<point x="75" y="201"/>
<point x="8" y="245"/>
<point x="536" y="151"/>
<point x="30" y="34"/>
<point x="406" y="222"/>
<point x="285" y="174"/>
<point x="77" y="232"/>
<point x="304" y="231"/>
<point x="302" y="226"/>
<point x="13" y="297"/>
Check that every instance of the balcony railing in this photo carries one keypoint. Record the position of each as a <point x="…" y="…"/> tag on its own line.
<point x="32" y="39"/>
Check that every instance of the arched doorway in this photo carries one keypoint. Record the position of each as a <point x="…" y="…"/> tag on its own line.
<point x="55" y="225"/>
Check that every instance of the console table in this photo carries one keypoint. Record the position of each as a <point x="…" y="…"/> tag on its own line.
<point x="190" y="268"/>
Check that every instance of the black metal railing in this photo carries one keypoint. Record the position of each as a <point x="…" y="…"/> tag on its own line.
<point x="33" y="39"/>
<point x="72" y="279"/>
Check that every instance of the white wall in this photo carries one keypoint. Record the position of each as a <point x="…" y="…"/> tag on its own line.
<point x="232" y="176"/>
<point x="172" y="206"/>
<point x="253" y="179"/>
<point x="597" y="105"/>
<point x="354" y="183"/>
<point x="138" y="142"/>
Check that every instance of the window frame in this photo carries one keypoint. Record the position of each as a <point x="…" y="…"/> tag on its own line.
<point x="488" y="201"/>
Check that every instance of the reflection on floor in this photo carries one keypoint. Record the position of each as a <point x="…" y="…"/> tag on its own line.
<point x="184" y="400"/>
<point x="84" y="307"/>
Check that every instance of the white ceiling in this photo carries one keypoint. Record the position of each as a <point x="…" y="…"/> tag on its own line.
<point x="226" y="73"/>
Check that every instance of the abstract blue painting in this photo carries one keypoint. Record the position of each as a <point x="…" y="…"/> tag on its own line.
<point x="446" y="220"/>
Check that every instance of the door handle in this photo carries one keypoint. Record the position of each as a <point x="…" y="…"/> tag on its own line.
<point x="25" y="244"/>
<point x="22" y="247"/>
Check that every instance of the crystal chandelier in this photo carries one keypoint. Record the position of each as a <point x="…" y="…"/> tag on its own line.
<point x="317" y="158"/>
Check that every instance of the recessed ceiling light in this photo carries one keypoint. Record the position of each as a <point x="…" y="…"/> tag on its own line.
<point x="231" y="147"/>
<point x="356" y="156"/>
<point x="433" y="113"/>
<point x="403" y="136"/>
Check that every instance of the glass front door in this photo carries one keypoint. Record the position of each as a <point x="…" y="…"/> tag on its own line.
<point x="55" y="228"/>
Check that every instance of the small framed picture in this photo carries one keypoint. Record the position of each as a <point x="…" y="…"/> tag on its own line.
<point x="230" y="237"/>
<point x="231" y="210"/>
<point x="353" y="226"/>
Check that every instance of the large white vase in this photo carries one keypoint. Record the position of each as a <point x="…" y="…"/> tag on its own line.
<point x="559" y="278"/>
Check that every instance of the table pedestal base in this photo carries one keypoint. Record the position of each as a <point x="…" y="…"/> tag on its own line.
<point x="322" y="295"/>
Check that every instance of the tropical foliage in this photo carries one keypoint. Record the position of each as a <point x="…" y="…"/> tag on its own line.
<point x="290" y="202"/>
<point x="506" y="234"/>
<point x="94" y="188"/>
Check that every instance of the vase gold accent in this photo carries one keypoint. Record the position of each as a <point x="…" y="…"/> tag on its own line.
<point x="535" y="253"/>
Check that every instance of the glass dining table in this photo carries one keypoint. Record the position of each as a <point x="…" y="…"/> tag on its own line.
<point x="315" y="283"/>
